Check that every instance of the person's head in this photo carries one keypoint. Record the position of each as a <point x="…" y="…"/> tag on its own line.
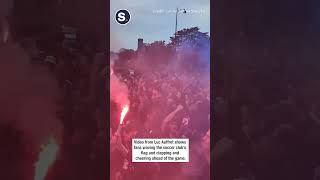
<point x="173" y="126"/>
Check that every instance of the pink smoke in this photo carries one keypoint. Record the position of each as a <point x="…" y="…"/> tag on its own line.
<point x="29" y="93"/>
<point x="118" y="90"/>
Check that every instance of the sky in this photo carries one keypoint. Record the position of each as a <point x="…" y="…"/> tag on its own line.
<point x="154" y="20"/>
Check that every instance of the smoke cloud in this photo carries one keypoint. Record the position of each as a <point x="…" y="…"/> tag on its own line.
<point x="29" y="96"/>
<point x="200" y="61"/>
<point x="118" y="90"/>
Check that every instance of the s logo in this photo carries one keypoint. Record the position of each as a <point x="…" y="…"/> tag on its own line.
<point x="123" y="16"/>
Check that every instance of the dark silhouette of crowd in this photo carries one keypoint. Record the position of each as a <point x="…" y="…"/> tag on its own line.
<point x="164" y="103"/>
<point x="78" y="70"/>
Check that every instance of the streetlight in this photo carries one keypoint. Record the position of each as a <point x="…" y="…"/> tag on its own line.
<point x="178" y="10"/>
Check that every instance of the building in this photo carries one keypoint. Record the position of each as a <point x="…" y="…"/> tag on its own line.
<point x="141" y="49"/>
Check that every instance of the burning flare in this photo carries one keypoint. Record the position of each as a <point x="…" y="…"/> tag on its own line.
<point x="111" y="71"/>
<point x="124" y="112"/>
<point x="47" y="157"/>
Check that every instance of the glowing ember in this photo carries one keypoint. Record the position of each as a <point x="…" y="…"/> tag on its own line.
<point x="47" y="157"/>
<point x="124" y="112"/>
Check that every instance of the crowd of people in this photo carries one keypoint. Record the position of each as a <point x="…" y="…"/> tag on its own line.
<point x="266" y="122"/>
<point x="164" y="103"/>
<point x="79" y="73"/>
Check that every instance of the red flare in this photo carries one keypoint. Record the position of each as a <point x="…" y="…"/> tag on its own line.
<point x="111" y="71"/>
<point x="124" y="112"/>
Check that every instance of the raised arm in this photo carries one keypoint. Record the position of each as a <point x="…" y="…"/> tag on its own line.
<point x="170" y="117"/>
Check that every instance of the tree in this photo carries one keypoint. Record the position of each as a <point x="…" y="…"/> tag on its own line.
<point x="158" y="52"/>
<point x="190" y="38"/>
<point x="193" y="47"/>
<point x="126" y="54"/>
<point x="159" y="44"/>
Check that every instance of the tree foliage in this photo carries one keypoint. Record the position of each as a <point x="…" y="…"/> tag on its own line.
<point x="126" y="54"/>
<point x="158" y="52"/>
<point x="190" y="38"/>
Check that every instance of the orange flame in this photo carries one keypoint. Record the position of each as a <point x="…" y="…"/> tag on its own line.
<point x="47" y="157"/>
<point x="111" y="71"/>
<point x="124" y="112"/>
